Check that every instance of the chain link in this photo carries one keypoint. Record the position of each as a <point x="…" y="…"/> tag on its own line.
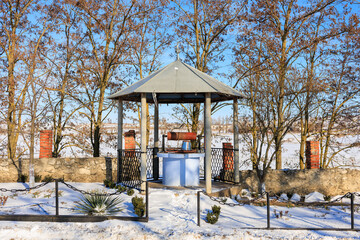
<point x="25" y="189"/>
<point x="90" y="193"/>
<point x="347" y="195"/>
<point x="221" y="202"/>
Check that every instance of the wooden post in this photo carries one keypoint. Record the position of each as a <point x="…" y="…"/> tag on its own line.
<point x="156" y="143"/>
<point x="143" y="141"/>
<point x="208" y="142"/>
<point x="119" y="141"/>
<point x="236" y="141"/>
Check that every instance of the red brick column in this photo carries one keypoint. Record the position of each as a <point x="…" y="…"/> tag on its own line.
<point x="228" y="157"/>
<point x="312" y="154"/>
<point x="130" y="140"/>
<point x="46" y="143"/>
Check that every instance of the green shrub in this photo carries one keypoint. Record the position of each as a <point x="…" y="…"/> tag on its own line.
<point x="23" y="178"/>
<point x="289" y="195"/>
<point x="109" y="184"/>
<point x="106" y="183"/>
<point x="254" y="195"/>
<point x="139" y="206"/>
<point x="121" y="188"/>
<point x="213" y="216"/>
<point x="47" y="178"/>
<point x="327" y="198"/>
<point x="98" y="205"/>
<point x="130" y="192"/>
<point x="216" y="210"/>
<point x="37" y="178"/>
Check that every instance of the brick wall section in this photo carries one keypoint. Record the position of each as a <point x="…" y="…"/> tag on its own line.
<point x="312" y="154"/>
<point x="46" y="143"/>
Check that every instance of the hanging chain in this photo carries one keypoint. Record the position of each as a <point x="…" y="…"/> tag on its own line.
<point x="91" y="193"/>
<point x="25" y="189"/>
<point x="222" y="202"/>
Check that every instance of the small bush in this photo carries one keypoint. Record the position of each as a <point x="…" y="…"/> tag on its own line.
<point x="289" y="195"/>
<point x="216" y="210"/>
<point x="23" y="178"/>
<point x="106" y="183"/>
<point x="37" y="178"/>
<point x="121" y="188"/>
<point x="130" y="192"/>
<point x="139" y="206"/>
<point x="254" y="195"/>
<point x="47" y="178"/>
<point x="213" y="216"/>
<point x="327" y="198"/>
<point x="109" y="184"/>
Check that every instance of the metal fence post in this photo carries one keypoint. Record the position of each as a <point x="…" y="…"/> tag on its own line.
<point x="57" y="196"/>
<point x="198" y="208"/>
<point x="268" y="209"/>
<point x="352" y="211"/>
<point x="147" y="201"/>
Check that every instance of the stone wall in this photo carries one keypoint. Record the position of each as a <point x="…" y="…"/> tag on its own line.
<point x="325" y="181"/>
<point x="334" y="181"/>
<point x="71" y="169"/>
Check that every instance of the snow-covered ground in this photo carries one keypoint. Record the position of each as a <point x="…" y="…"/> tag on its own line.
<point x="172" y="216"/>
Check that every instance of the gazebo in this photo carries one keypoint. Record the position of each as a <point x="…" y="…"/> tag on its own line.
<point x="178" y="83"/>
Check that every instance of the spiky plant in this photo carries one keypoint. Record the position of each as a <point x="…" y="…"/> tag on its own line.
<point x="96" y="205"/>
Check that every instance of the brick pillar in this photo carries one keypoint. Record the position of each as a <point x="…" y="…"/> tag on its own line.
<point x="228" y="157"/>
<point x="46" y="143"/>
<point x="130" y="140"/>
<point x="312" y="154"/>
<point x="130" y="162"/>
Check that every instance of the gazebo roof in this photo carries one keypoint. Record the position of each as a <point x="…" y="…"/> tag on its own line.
<point x="177" y="83"/>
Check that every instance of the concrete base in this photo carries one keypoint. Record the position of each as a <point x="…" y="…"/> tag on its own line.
<point x="181" y="169"/>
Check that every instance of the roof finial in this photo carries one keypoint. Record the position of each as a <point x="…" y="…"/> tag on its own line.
<point x="177" y="50"/>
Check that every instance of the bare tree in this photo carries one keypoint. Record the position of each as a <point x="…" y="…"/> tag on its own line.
<point x="24" y="25"/>
<point x="280" y="30"/>
<point x="202" y="27"/>
<point x="339" y="110"/>
<point x="109" y="30"/>
<point x="62" y="59"/>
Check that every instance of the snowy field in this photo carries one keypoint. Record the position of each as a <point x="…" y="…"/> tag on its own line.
<point x="172" y="216"/>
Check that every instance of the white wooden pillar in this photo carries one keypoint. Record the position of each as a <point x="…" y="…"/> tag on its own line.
<point x="207" y="142"/>
<point x="236" y="141"/>
<point x="119" y="140"/>
<point x="143" y="140"/>
<point x="156" y="143"/>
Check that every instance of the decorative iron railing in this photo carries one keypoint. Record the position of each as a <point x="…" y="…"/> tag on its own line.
<point x="222" y="164"/>
<point x="222" y="167"/>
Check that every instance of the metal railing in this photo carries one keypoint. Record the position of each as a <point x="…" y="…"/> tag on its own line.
<point x="222" y="166"/>
<point x="71" y="218"/>
<point x="260" y="199"/>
